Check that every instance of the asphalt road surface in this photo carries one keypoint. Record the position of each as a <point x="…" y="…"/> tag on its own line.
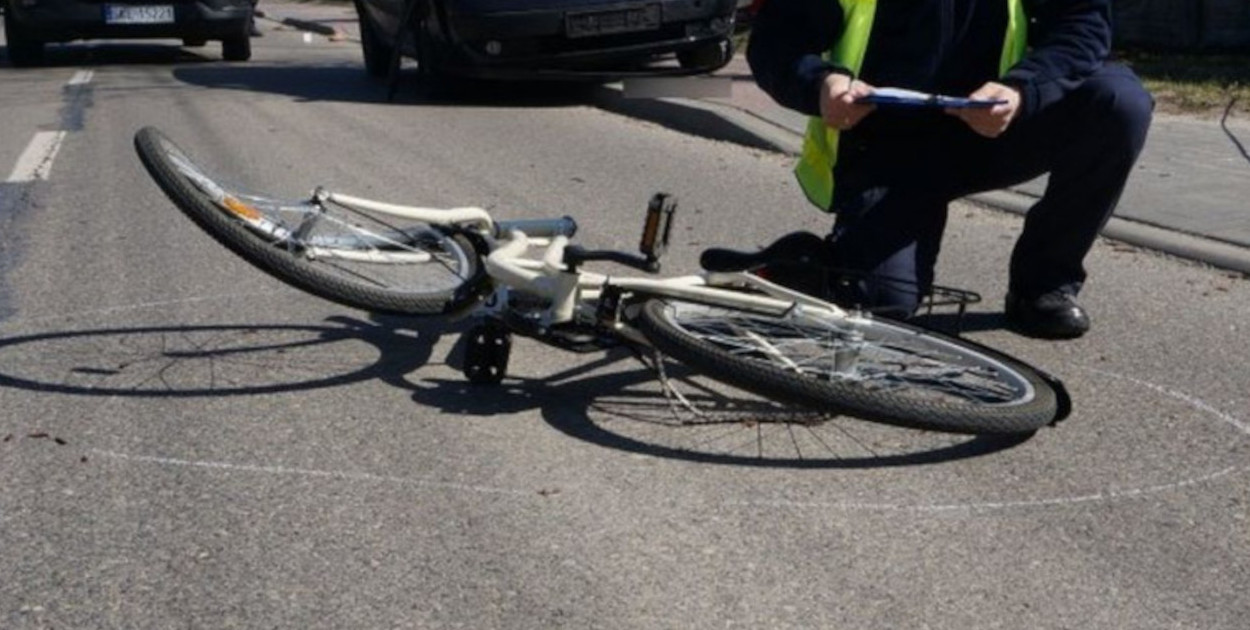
<point x="188" y="443"/>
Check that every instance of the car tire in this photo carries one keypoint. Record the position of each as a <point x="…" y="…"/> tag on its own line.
<point x="376" y="52"/>
<point x="708" y="56"/>
<point x="237" y="48"/>
<point x="23" y="51"/>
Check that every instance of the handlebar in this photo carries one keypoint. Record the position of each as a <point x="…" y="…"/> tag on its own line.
<point x="538" y="228"/>
<point x="575" y="255"/>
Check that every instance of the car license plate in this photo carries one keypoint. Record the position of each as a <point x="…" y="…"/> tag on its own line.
<point x="134" y="14"/>
<point x="627" y="19"/>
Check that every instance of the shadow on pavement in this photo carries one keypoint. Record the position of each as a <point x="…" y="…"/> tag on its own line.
<point x="953" y="324"/>
<point x="350" y="83"/>
<point x="627" y="410"/>
<point x="679" y="117"/>
<point x="93" y="53"/>
<point x="217" y="360"/>
<point x="598" y="400"/>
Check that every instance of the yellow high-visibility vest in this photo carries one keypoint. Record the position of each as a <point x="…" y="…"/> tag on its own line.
<point x="820" y="148"/>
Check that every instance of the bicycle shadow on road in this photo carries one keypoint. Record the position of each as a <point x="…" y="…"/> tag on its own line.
<point x="600" y="400"/>
<point x="215" y="360"/>
<point x="611" y="405"/>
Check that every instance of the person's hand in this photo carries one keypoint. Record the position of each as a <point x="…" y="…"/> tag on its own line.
<point x="837" y="101"/>
<point x="990" y="122"/>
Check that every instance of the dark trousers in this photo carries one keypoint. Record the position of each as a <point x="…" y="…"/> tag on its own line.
<point x="893" y="189"/>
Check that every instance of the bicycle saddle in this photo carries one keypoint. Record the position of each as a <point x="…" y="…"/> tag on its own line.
<point x="796" y="248"/>
<point x="799" y="261"/>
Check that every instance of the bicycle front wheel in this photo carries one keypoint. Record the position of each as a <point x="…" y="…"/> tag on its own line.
<point x="364" y="260"/>
<point x="875" y="369"/>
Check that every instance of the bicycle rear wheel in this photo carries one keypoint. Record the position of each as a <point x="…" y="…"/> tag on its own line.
<point x="361" y="259"/>
<point x="875" y="369"/>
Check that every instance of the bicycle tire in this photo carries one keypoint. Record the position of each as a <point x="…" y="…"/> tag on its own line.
<point x="994" y="394"/>
<point x="276" y="252"/>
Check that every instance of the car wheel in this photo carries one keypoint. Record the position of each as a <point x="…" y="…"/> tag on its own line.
<point x="706" y="57"/>
<point x="23" y="51"/>
<point x="237" y="48"/>
<point x="376" y="52"/>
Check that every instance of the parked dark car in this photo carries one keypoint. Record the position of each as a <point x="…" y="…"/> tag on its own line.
<point x="549" y="38"/>
<point x="29" y="24"/>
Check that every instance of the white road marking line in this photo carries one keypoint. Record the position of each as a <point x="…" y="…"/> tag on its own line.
<point x="81" y="77"/>
<point x="1193" y="401"/>
<point x="314" y="473"/>
<point x="1093" y="497"/>
<point x="35" y="162"/>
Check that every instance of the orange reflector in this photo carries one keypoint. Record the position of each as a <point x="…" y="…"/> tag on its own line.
<point x="240" y="208"/>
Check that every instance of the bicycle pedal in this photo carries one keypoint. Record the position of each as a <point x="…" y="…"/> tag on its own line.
<point x="487" y="349"/>
<point x="659" y="224"/>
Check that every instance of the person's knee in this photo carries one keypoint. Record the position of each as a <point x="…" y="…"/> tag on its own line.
<point x="1123" y="106"/>
<point x="885" y="296"/>
<point x="898" y="299"/>
<point x="874" y="274"/>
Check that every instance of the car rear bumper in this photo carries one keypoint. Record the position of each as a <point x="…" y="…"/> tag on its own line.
<point x="597" y="66"/>
<point x="537" y="41"/>
<point x="66" y="20"/>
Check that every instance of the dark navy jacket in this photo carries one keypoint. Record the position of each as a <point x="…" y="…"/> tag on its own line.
<point x="941" y="46"/>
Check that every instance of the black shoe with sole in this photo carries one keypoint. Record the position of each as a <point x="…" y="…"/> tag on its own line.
<point x="1054" y="315"/>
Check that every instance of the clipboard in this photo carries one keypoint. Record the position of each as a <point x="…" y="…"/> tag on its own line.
<point x="897" y="97"/>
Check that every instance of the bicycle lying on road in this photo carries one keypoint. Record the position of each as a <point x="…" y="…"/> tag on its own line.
<point x="731" y="325"/>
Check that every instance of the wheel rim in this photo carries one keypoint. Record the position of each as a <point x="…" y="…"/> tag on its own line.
<point x="360" y="246"/>
<point x="867" y="353"/>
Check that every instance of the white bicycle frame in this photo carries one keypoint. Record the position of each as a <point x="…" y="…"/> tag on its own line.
<point x="549" y="278"/>
<point x="581" y="310"/>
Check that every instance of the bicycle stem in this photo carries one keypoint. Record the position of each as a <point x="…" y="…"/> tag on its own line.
<point x="553" y="281"/>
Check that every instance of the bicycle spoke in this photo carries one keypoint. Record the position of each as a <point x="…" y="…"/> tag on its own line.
<point x="912" y="366"/>
<point x="359" y="256"/>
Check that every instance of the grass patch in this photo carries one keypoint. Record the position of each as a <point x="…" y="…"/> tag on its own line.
<point x="1194" y="84"/>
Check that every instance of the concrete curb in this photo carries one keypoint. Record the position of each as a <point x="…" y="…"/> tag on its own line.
<point x="1179" y="244"/>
